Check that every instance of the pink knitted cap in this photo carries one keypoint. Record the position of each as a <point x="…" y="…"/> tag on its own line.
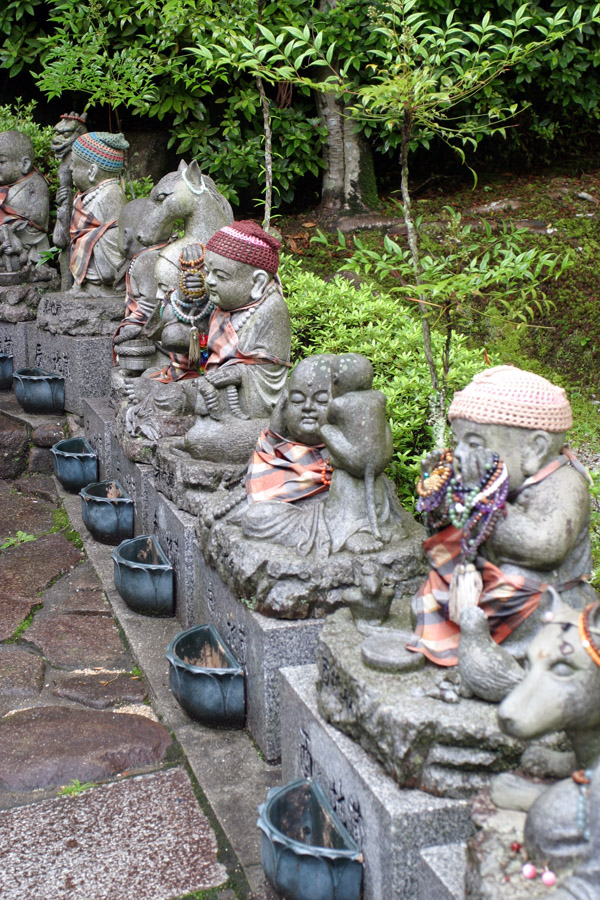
<point x="246" y="242"/>
<point x="505" y="395"/>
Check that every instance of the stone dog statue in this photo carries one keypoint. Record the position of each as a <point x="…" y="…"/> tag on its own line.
<point x="24" y="206"/>
<point x="561" y="691"/>
<point x="518" y="504"/>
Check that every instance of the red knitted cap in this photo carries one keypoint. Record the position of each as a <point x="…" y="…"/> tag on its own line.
<point x="248" y="243"/>
<point x="505" y="395"/>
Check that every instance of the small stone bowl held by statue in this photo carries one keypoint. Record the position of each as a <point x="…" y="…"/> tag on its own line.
<point x="75" y="463"/>
<point x="306" y="852"/>
<point x="107" y="512"/>
<point x="206" y="678"/>
<point x="39" y="391"/>
<point x="144" y="576"/>
<point x="6" y="372"/>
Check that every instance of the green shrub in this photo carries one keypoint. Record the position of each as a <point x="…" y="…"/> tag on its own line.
<point x="337" y="317"/>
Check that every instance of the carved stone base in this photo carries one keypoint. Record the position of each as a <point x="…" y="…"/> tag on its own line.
<point x="392" y="826"/>
<point x="83" y="361"/>
<point x="279" y="582"/>
<point x="446" y="748"/>
<point x="261" y="645"/>
<point x="16" y="340"/>
<point x="19" y="302"/>
<point x="80" y="314"/>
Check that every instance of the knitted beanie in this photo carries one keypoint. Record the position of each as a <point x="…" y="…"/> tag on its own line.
<point x="505" y="395"/>
<point x="102" y="148"/>
<point x="246" y="242"/>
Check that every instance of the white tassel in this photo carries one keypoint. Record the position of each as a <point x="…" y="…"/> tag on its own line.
<point x="466" y="586"/>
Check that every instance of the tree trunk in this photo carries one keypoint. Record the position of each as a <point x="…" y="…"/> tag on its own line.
<point x="349" y="177"/>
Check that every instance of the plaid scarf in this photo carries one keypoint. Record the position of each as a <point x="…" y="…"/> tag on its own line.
<point x="284" y="470"/>
<point x="507" y="600"/>
<point x="179" y="369"/>
<point x="223" y="344"/>
<point x="7" y="213"/>
<point x="85" y="232"/>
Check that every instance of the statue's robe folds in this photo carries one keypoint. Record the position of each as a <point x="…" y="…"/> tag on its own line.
<point x="257" y="338"/>
<point x="16" y="204"/>
<point x="95" y="256"/>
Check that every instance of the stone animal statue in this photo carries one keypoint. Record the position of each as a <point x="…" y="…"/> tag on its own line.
<point x="66" y="131"/>
<point x="561" y="691"/>
<point x="186" y="194"/>
<point x="512" y="506"/>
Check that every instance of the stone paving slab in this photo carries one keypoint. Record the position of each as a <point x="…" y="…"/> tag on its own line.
<point x="60" y="598"/>
<point x="156" y="844"/>
<point x="14" y="442"/>
<point x="39" y="486"/>
<point x="31" y="567"/>
<point x="71" y="641"/>
<point x="21" y="513"/>
<point x="98" y="691"/>
<point x="13" y="610"/>
<point x="53" y="745"/>
<point x="21" y="672"/>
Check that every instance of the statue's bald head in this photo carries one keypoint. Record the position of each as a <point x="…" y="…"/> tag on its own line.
<point x="16" y="156"/>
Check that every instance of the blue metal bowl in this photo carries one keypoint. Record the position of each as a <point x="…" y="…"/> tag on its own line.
<point x="6" y="372"/>
<point x="39" y="391"/>
<point x="75" y="463"/>
<point x="206" y="678"/>
<point x="107" y="512"/>
<point x="306" y="852"/>
<point x="144" y="576"/>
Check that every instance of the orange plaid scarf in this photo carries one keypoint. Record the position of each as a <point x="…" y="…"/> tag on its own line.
<point x="85" y="232"/>
<point x="285" y="470"/>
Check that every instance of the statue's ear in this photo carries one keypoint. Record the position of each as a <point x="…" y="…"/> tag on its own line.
<point x="277" y="422"/>
<point x="182" y="166"/>
<point x="93" y="171"/>
<point x="26" y="165"/>
<point x="260" y="280"/>
<point x="193" y="174"/>
<point x="550" y="604"/>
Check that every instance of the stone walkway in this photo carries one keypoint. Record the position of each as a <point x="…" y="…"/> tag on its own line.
<point x="98" y="800"/>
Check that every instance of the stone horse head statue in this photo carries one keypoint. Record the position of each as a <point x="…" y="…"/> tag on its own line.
<point x="186" y="194"/>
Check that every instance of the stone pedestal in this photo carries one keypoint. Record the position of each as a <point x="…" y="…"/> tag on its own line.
<point x="99" y="426"/>
<point x="16" y="339"/>
<point x="84" y="362"/>
<point x="19" y="302"/>
<point x="261" y="645"/>
<point x="442" y="872"/>
<point x="391" y="825"/>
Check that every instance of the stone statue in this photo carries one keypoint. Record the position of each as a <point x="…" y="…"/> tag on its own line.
<point x="135" y="351"/>
<point x="248" y="345"/>
<point x="364" y="552"/>
<point x="319" y="485"/>
<point x="519" y="505"/>
<point x="561" y="691"/>
<point x="97" y="158"/>
<point x="24" y="208"/>
<point x="66" y="131"/>
<point x="179" y="331"/>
